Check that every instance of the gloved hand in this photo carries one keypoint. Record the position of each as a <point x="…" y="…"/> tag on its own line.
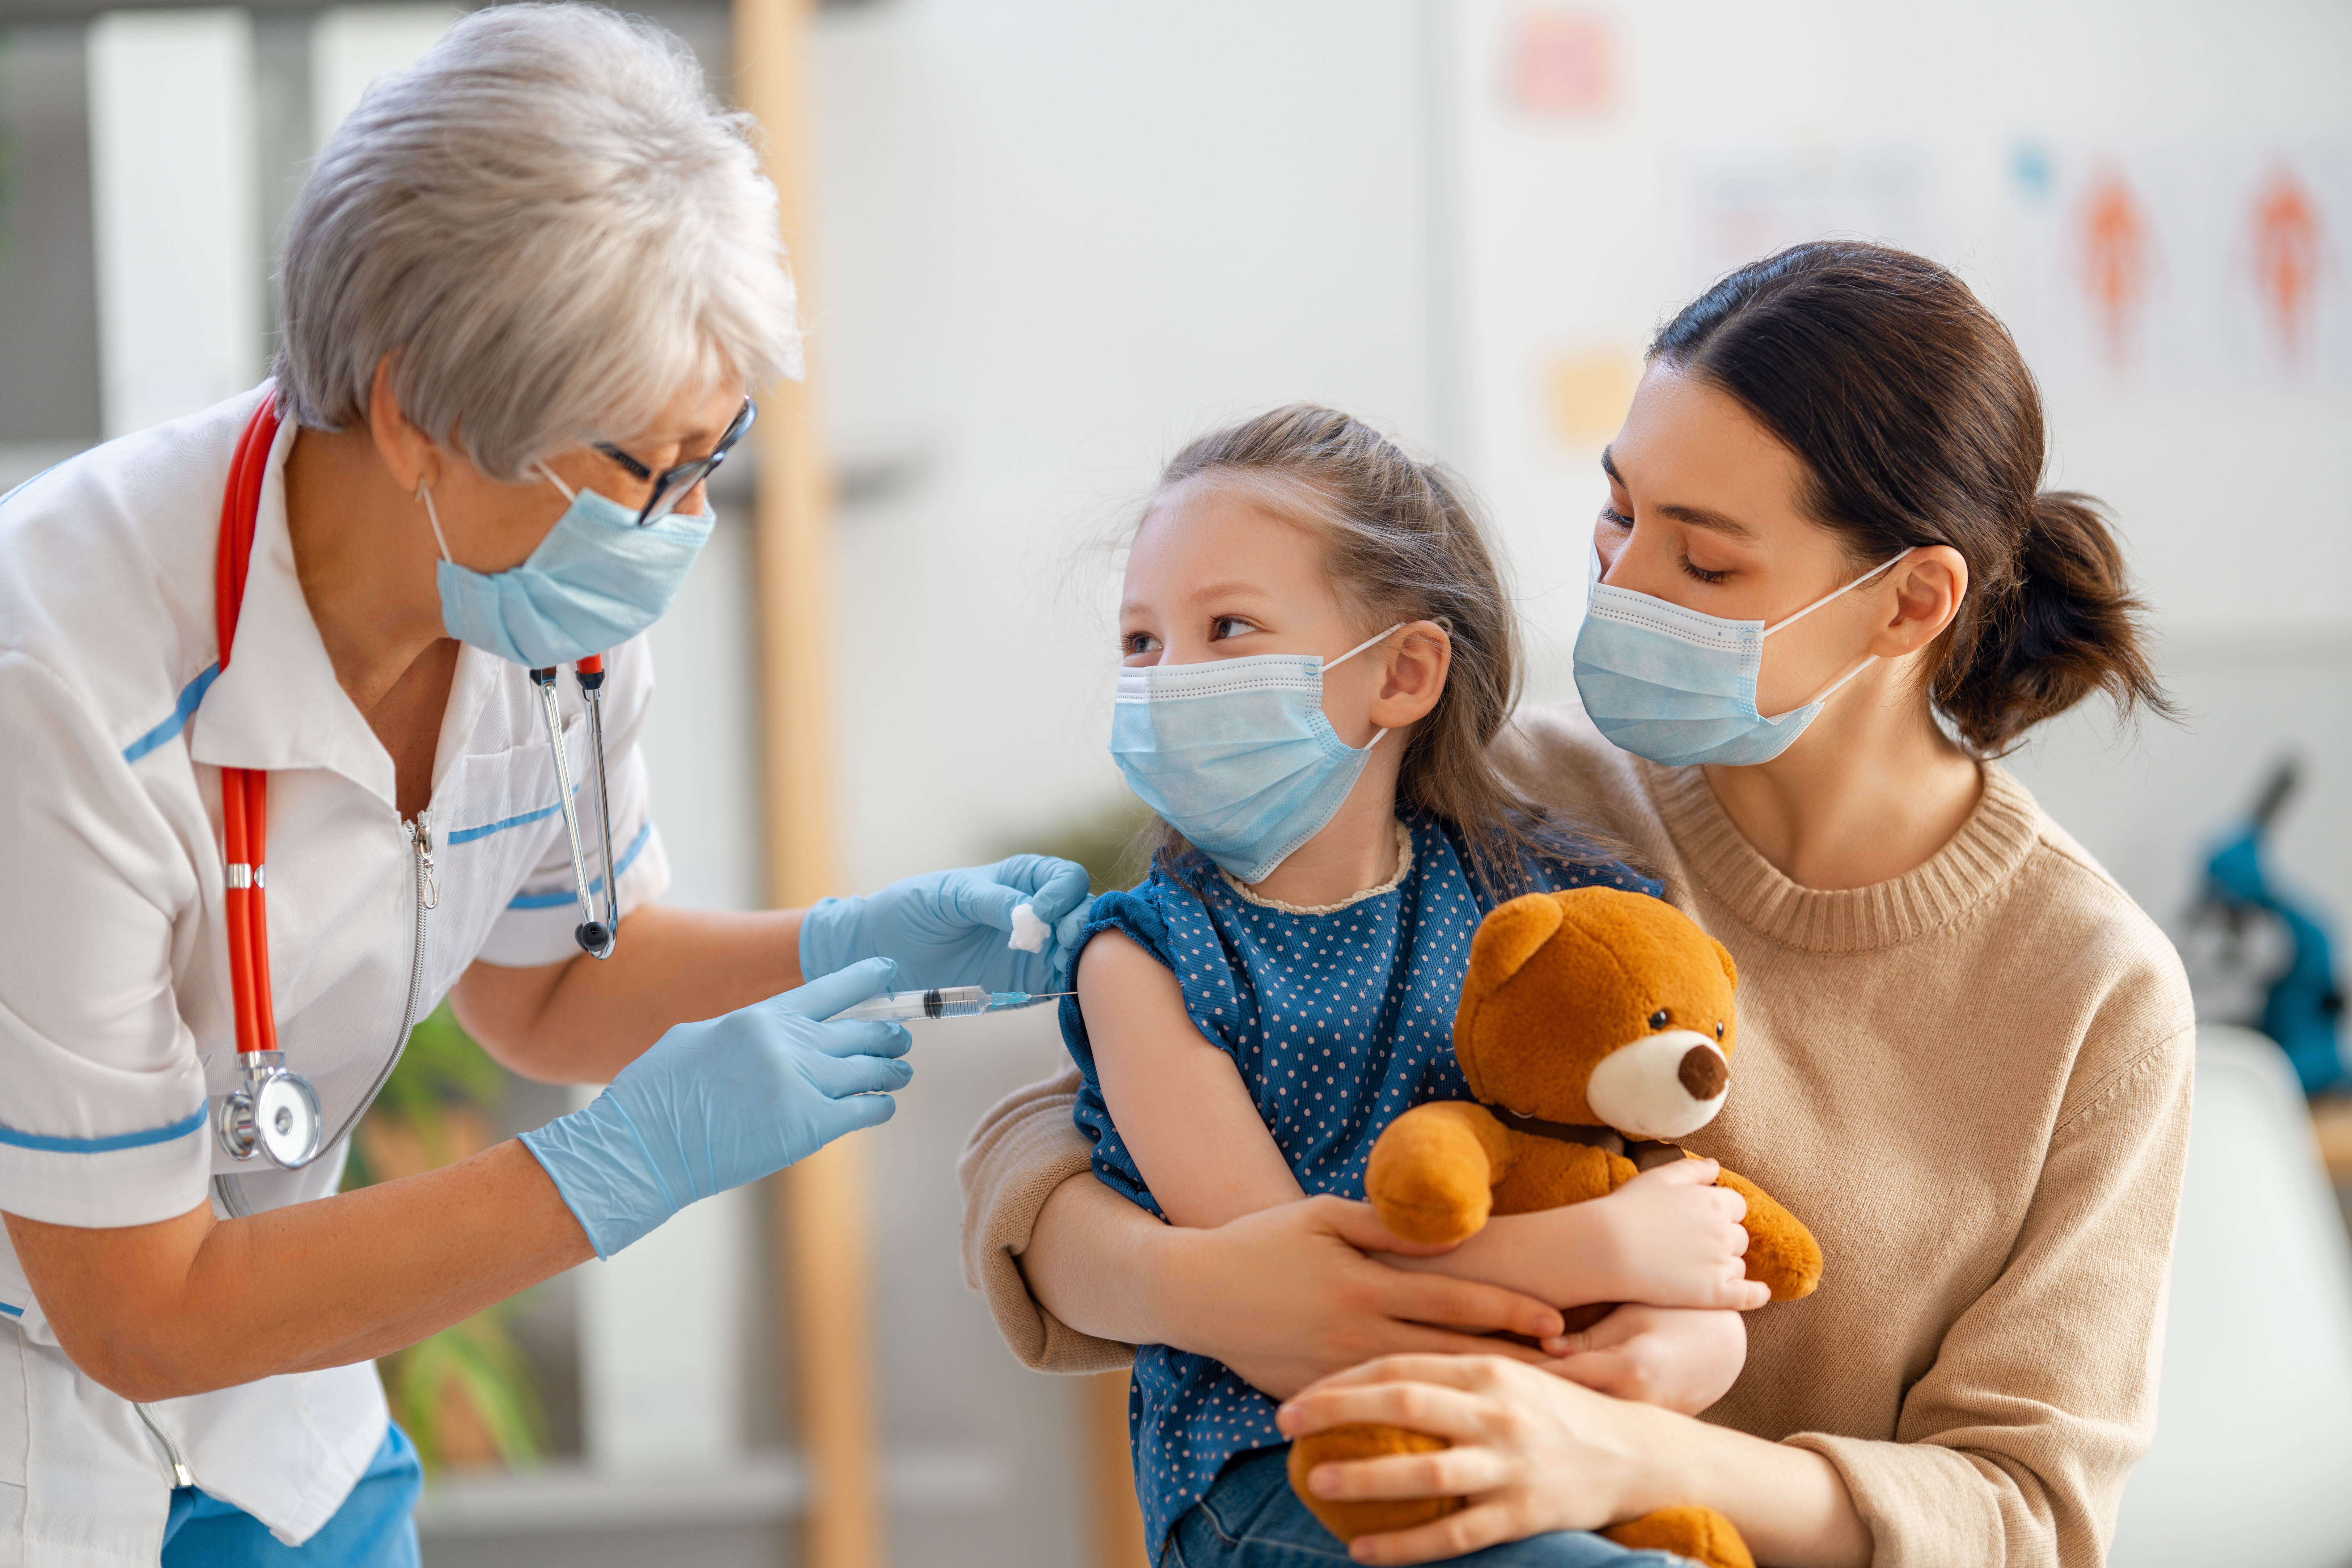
<point x="951" y="928"/>
<point x="716" y="1104"/>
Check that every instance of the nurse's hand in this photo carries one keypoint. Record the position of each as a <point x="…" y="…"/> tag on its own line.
<point x="951" y="928"/>
<point x="716" y="1104"/>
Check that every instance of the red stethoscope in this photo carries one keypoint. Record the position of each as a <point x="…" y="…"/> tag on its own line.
<point x="273" y="1112"/>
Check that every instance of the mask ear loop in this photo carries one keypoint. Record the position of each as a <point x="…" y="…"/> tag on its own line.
<point x="1868" y="659"/>
<point x="548" y="474"/>
<point x="1838" y="592"/>
<point x="1358" y="649"/>
<point x="433" y="516"/>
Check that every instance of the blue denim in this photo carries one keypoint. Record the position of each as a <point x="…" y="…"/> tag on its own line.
<point x="372" y="1530"/>
<point x="1251" y="1519"/>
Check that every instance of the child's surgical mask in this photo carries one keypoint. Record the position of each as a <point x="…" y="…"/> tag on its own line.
<point x="1236" y="753"/>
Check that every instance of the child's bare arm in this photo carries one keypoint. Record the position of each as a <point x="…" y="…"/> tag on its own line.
<point x="1178" y="1101"/>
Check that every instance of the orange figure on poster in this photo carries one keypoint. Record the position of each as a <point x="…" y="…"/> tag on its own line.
<point x="2286" y="258"/>
<point x="1563" y="64"/>
<point x="2115" y="235"/>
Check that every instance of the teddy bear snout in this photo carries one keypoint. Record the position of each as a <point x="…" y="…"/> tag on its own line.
<point x="1662" y="1086"/>
<point x="1703" y="1073"/>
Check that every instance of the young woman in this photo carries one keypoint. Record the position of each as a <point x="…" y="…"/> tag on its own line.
<point x="1965" y="1056"/>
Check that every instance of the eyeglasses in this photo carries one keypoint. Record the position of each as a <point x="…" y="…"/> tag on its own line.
<point x="672" y="486"/>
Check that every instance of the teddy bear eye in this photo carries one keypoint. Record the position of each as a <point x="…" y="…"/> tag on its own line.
<point x="1658" y="1019"/>
<point x="1719" y="1028"/>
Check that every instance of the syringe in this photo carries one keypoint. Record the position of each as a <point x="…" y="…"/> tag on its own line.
<point x="944" y="1001"/>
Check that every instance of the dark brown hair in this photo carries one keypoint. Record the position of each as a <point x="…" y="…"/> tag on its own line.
<point x="1919" y="423"/>
<point x="1401" y="543"/>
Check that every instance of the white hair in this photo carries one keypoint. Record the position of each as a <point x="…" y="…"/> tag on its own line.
<point x="552" y="227"/>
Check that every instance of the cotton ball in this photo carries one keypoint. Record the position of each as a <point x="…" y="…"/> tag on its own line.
<point x="1029" y="933"/>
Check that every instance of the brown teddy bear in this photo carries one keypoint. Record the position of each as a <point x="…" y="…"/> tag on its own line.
<point x="1595" y="1025"/>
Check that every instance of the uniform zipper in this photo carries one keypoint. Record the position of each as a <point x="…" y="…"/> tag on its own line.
<point x="427" y="889"/>
<point x="181" y="1475"/>
<point x="428" y="898"/>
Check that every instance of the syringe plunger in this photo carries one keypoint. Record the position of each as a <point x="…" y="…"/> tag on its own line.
<point x="939" y="1002"/>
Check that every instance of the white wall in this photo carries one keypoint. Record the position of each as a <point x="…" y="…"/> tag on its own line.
<point x="1060" y="239"/>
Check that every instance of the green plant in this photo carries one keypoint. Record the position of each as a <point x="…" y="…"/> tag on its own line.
<point x="468" y="1393"/>
<point x="467" y="1396"/>
<point x="1106" y="839"/>
<point x="442" y="1071"/>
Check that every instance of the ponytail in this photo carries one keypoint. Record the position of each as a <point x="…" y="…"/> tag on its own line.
<point x="1919" y="424"/>
<point x="2071" y="628"/>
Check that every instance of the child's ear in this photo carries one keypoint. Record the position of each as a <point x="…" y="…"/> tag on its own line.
<point x="1418" y="659"/>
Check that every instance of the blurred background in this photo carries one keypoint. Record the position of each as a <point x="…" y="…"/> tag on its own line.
<point x="1052" y="240"/>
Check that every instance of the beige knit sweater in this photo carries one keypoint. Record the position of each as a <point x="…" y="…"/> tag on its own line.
<point x="1971" y="1082"/>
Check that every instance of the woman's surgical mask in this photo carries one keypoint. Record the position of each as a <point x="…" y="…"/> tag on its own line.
<point x="1236" y="753"/>
<point x="594" y="581"/>
<point x="1679" y="687"/>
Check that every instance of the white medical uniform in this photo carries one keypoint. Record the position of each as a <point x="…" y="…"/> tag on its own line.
<point x="116" y="1038"/>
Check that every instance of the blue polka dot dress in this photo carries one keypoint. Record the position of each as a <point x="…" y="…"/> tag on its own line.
<point x="1338" y="1022"/>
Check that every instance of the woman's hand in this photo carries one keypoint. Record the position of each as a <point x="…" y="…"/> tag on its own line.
<point x="1668" y="1356"/>
<point x="1286" y="1296"/>
<point x="952" y="928"/>
<point x="1531" y="1451"/>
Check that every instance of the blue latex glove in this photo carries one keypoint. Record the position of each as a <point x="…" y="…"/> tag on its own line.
<point x="716" y="1104"/>
<point x="951" y="928"/>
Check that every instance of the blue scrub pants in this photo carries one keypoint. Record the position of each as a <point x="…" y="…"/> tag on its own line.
<point x="372" y="1530"/>
<point x="1251" y="1519"/>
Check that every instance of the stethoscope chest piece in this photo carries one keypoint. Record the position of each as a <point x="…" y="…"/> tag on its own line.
<point x="273" y="1113"/>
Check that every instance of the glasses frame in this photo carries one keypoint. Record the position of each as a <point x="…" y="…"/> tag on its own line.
<point x="674" y="484"/>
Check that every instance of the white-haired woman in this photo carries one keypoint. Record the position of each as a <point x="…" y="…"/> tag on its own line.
<point x="527" y="289"/>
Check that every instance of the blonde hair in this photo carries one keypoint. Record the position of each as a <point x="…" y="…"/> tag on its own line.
<point x="1402" y="541"/>
<point x="552" y="226"/>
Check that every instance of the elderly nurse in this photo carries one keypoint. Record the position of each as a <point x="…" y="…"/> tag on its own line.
<point x="527" y="288"/>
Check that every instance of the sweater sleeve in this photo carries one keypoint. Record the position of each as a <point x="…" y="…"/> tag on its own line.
<point x="2013" y="1447"/>
<point x="1024" y="1149"/>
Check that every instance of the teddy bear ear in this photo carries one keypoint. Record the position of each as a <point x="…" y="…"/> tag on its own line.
<point x="1730" y="970"/>
<point x="1509" y="936"/>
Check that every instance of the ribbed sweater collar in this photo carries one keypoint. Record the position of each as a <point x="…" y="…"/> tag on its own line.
<point x="1988" y="851"/>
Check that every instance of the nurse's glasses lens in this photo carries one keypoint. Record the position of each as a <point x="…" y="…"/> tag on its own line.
<point x="672" y="486"/>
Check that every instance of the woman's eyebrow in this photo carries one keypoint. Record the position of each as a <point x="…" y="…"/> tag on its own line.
<point x="1713" y="521"/>
<point x="1691" y="516"/>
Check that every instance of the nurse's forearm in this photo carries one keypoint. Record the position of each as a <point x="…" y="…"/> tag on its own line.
<point x="582" y="1021"/>
<point x="190" y="1304"/>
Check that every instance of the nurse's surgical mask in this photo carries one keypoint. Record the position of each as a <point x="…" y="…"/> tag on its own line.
<point x="1679" y="687"/>
<point x="596" y="581"/>
<point x="1236" y="755"/>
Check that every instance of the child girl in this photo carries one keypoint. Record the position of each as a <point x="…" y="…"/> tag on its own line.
<point x="1319" y="649"/>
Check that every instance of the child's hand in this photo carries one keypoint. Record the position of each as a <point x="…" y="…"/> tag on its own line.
<point x="1669" y="1356"/>
<point x="1670" y="1238"/>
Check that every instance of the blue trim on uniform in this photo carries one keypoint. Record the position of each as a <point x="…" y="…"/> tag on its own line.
<point x="557" y="901"/>
<point x="11" y="1312"/>
<point x="190" y="695"/>
<point x="468" y="834"/>
<point x="48" y="1145"/>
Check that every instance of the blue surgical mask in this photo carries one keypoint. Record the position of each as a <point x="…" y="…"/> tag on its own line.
<point x="594" y="581"/>
<point x="1679" y="687"/>
<point x="1236" y="753"/>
